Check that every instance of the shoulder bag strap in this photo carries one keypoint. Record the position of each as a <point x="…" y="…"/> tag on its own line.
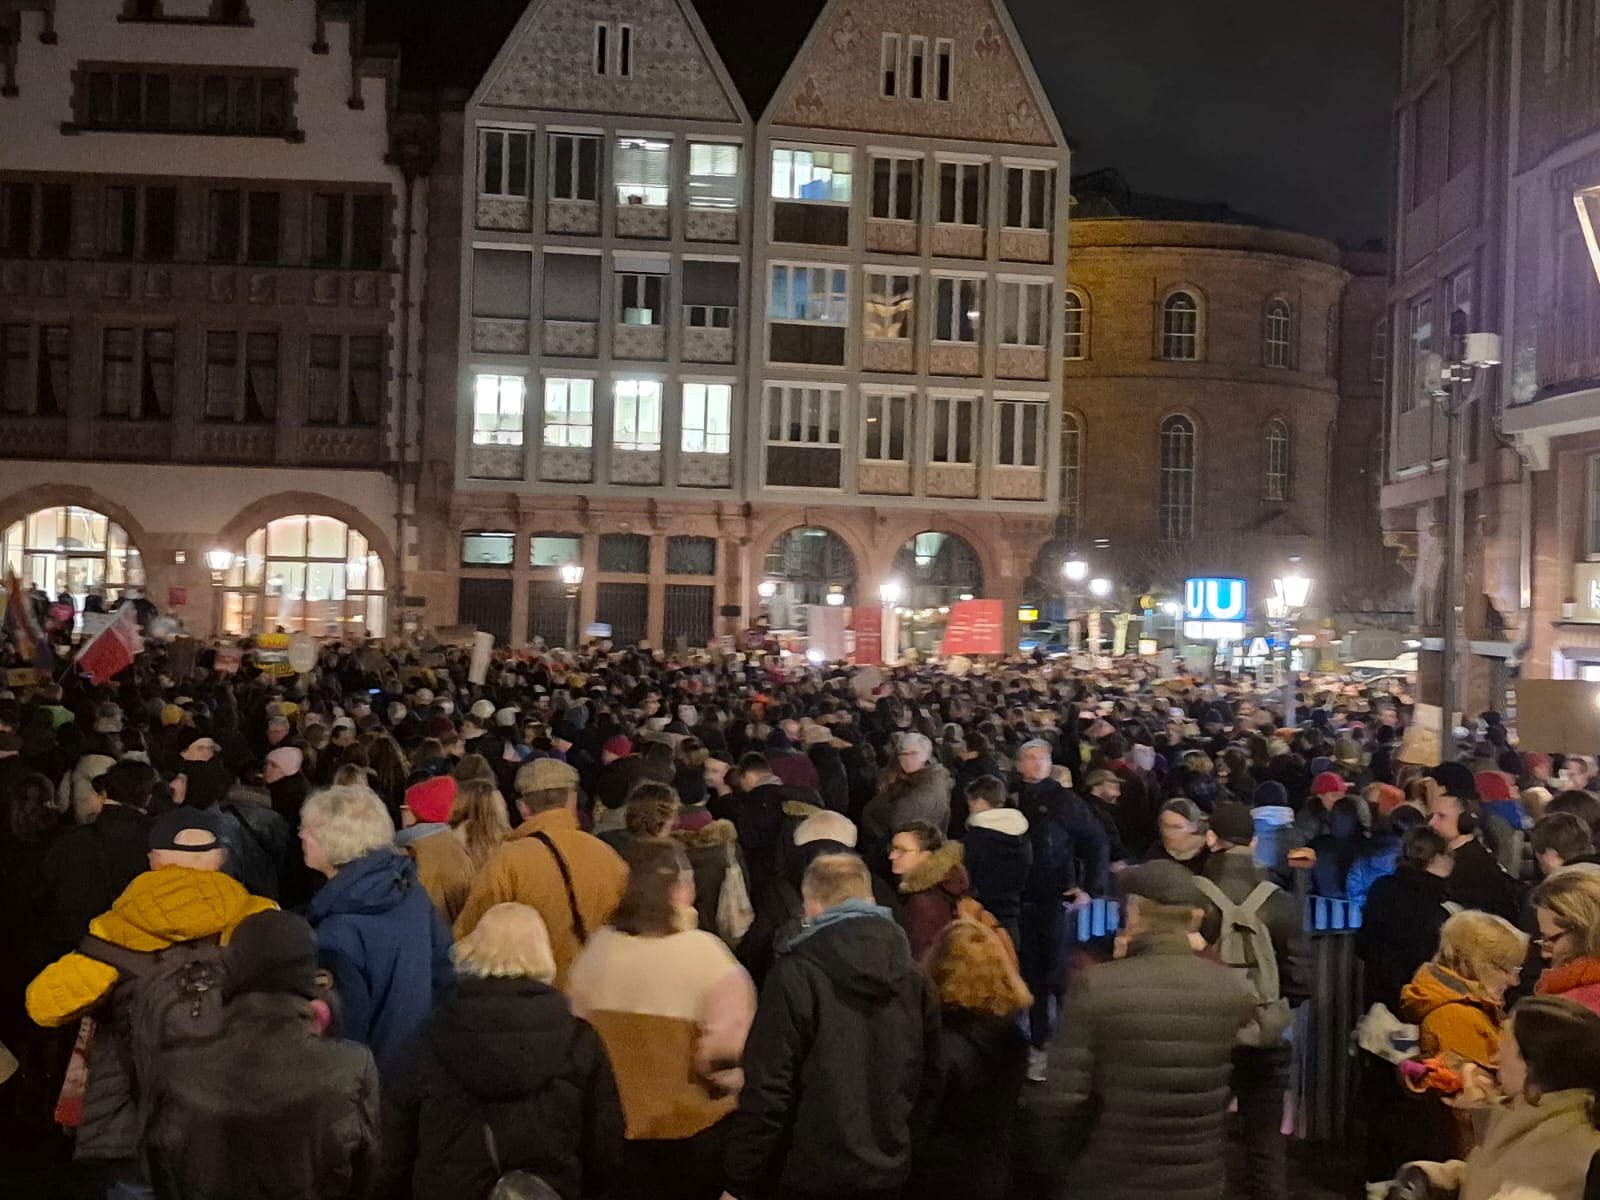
<point x="129" y="963"/>
<point x="579" y="929"/>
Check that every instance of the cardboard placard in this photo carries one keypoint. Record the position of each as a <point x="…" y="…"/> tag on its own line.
<point x="482" y="649"/>
<point x="1558" y="716"/>
<point x="1422" y="744"/>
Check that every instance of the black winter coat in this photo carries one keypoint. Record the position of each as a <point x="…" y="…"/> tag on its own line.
<point x="966" y="1152"/>
<point x="999" y="855"/>
<point x="267" y="1110"/>
<point x="1070" y="847"/>
<point x="1399" y="932"/>
<point x="1479" y="881"/>
<point x="835" y="1065"/>
<point x="509" y="1054"/>
<point x="88" y="867"/>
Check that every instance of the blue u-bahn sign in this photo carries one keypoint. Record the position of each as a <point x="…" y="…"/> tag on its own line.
<point x="1214" y="600"/>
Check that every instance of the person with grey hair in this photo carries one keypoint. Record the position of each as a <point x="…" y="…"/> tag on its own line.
<point x="917" y="788"/>
<point x="377" y="932"/>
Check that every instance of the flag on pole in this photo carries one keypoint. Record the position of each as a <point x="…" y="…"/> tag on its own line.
<point x="24" y="629"/>
<point x="113" y="648"/>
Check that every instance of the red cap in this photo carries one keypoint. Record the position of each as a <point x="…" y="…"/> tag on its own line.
<point x="1534" y="760"/>
<point x="618" y="745"/>
<point x="1492" y="786"/>
<point x="1329" y="782"/>
<point x="431" y="800"/>
<point x="1389" y="798"/>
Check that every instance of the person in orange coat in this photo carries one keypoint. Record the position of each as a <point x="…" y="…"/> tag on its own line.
<point x="443" y="866"/>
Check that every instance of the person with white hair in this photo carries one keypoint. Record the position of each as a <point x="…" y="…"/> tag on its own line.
<point x="377" y="931"/>
<point x="916" y="789"/>
<point x="502" y="1059"/>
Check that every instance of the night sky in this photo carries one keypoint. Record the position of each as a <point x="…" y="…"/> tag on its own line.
<point x="1278" y="109"/>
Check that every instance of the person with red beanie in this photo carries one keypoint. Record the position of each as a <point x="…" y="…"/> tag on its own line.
<point x="443" y="867"/>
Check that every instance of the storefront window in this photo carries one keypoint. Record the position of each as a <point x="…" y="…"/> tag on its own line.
<point x="310" y="573"/>
<point x="73" y="550"/>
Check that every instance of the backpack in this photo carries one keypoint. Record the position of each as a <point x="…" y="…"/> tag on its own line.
<point x="1245" y="944"/>
<point x="514" y="1184"/>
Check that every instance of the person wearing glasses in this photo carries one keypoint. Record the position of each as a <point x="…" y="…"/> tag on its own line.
<point x="1567" y="906"/>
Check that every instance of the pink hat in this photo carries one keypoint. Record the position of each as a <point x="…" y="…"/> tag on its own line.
<point x="1328" y="783"/>
<point x="287" y="759"/>
<point x="432" y="799"/>
<point x="618" y="745"/>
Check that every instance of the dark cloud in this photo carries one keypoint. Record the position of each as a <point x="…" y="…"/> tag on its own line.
<point x="1279" y="108"/>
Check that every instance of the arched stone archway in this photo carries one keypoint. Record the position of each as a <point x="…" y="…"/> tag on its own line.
<point x="19" y="504"/>
<point x="269" y="508"/>
<point x="935" y="570"/>
<point x="307" y="571"/>
<point x="805" y="565"/>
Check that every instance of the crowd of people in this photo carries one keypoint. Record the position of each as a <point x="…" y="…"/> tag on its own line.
<point x="624" y="925"/>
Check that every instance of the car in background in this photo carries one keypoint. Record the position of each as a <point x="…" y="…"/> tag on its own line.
<point x="1052" y="637"/>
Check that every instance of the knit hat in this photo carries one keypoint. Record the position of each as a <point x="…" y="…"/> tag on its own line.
<point x="1233" y="823"/>
<point x="1164" y="882"/>
<point x="618" y="745"/>
<point x="1389" y="798"/>
<point x="287" y="759"/>
<point x="431" y="800"/>
<point x="1270" y="794"/>
<point x="273" y="952"/>
<point x="1534" y="760"/>
<point x="482" y="709"/>
<point x="1346" y="751"/>
<point x="1328" y="783"/>
<point x="1492" y="786"/>
<point x="1455" y="779"/>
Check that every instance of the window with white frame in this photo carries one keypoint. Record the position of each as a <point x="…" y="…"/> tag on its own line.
<point x="636" y="414"/>
<point x="1074" y="325"/>
<point x="1175" y="494"/>
<point x="1275" y="460"/>
<point x="803" y="292"/>
<point x="1591" y="533"/>
<point x="1024" y="313"/>
<point x="641" y="298"/>
<point x="497" y="404"/>
<point x="707" y="418"/>
<point x="1180" y="328"/>
<point x="890" y="66"/>
<point x="1019" y="433"/>
<point x="1071" y="474"/>
<point x="1419" y="330"/>
<point x="958" y="308"/>
<point x="944" y="60"/>
<point x="1279" y="333"/>
<point x="1030" y="198"/>
<point x="713" y="175"/>
<point x="961" y="193"/>
<point x="568" y="412"/>
<point x="896" y="184"/>
<point x="804" y="436"/>
<point x="817" y="175"/>
<point x="505" y="162"/>
<point x="574" y="167"/>
<point x="613" y="49"/>
<point x="885" y="418"/>
<point x="952" y="425"/>
<point x="916" y="66"/>
<point x="643" y="171"/>
<point x="1378" y="360"/>
<point x="889" y="308"/>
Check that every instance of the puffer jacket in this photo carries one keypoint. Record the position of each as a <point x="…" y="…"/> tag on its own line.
<point x="509" y="1054"/>
<point x="1577" y="980"/>
<point x="1137" y="1099"/>
<point x="929" y="894"/>
<point x="387" y="949"/>
<point x="157" y="910"/>
<point x="999" y="856"/>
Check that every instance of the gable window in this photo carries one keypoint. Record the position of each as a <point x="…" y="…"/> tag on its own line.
<point x="1075" y="326"/>
<point x="643" y="171"/>
<point x="713" y="175"/>
<point x="890" y="305"/>
<point x="944" y="55"/>
<point x="961" y="197"/>
<point x="1180" y="328"/>
<point x="958" y="308"/>
<point x="574" y="167"/>
<point x="1019" y="433"/>
<point x="636" y="414"/>
<point x="1029" y="201"/>
<point x="1280" y="322"/>
<point x="884" y="425"/>
<point x="1275" y="460"/>
<point x="1024" y="314"/>
<point x="505" y="162"/>
<point x="804" y="436"/>
<point x="613" y="49"/>
<point x="1175" y="505"/>
<point x="819" y="176"/>
<point x="890" y="65"/>
<point x="706" y="418"/>
<point x="497" y="407"/>
<point x="809" y="293"/>
<point x="568" y="412"/>
<point x="953" y="421"/>
<point x="895" y="186"/>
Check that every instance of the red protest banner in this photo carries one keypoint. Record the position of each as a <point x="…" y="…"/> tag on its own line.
<point x="868" y="620"/>
<point x="975" y="627"/>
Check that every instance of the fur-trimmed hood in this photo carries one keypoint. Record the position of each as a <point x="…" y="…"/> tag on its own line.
<point x="799" y="810"/>
<point x="718" y="833"/>
<point x="946" y="869"/>
<point x="1009" y="821"/>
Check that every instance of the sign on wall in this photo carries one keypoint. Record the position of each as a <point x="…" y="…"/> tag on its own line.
<point x="1214" y="599"/>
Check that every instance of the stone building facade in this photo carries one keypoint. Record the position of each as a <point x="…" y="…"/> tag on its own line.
<point x="202" y="338"/>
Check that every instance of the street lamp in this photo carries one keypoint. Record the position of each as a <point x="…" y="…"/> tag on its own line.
<point x="1100" y="587"/>
<point x="767" y="589"/>
<point x="572" y="578"/>
<point x="1075" y="569"/>
<point x="889" y="593"/>
<point x="1289" y="595"/>
<point x="220" y="561"/>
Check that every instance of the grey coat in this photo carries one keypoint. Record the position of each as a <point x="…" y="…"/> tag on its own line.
<point x="1136" y="1104"/>
<point x="924" y="796"/>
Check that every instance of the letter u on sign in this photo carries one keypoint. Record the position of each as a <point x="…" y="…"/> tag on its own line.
<point x="1214" y="599"/>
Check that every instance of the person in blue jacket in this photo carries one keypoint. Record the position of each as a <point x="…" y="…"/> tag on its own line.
<point x="378" y="934"/>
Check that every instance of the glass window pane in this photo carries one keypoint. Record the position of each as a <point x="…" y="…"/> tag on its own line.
<point x="286" y="537"/>
<point x="327" y="538"/>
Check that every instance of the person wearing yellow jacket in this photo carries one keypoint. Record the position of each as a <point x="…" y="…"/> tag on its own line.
<point x="183" y="897"/>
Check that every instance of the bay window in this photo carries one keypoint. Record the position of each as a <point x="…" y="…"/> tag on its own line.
<point x="497" y="404"/>
<point x="568" y="412"/>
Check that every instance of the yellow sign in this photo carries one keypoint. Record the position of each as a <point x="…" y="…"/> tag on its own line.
<point x="1148" y="647"/>
<point x="1027" y="613"/>
<point x="272" y="654"/>
<point x="1147" y="602"/>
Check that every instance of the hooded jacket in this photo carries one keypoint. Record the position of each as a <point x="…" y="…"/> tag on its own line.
<point x="929" y="893"/>
<point x="507" y="1053"/>
<point x="1453" y="1018"/>
<point x="835" y="1063"/>
<point x="1399" y="932"/>
<point x="999" y="856"/>
<point x="387" y="948"/>
<point x="1578" y="980"/>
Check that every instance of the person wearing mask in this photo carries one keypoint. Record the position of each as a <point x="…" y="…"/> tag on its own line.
<point x="1185" y="835"/>
<point x="1478" y="880"/>
<point x="285" y="782"/>
<point x="1567" y="906"/>
<point x="999" y="854"/>
<point x="932" y="880"/>
<point x="502" y="1078"/>
<point x="1137" y="1100"/>
<point x="673" y="1007"/>
<point x="378" y="932"/>
<point x="838" y="1055"/>
<point x="1457" y="1001"/>
<point x="306" y="1123"/>
<point x="443" y="867"/>
<point x="573" y="878"/>
<point x="918" y="789"/>
<point x="1071" y="861"/>
<point x="983" y="1061"/>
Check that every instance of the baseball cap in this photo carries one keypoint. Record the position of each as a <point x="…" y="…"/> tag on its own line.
<point x="546" y="774"/>
<point x="1329" y="782"/>
<point x="1164" y="882"/>
<point x="618" y="745"/>
<point x="164" y="830"/>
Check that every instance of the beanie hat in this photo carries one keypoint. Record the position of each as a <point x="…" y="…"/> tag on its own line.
<point x="273" y="952"/>
<point x="431" y="800"/>
<point x="1492" y="786"/>
<point x="1455" y="779"/>
<point x="1270" y="794"/>
<point x="287" y="759"/>
<point x="1389" y="798"/>
<point x="1534" y="760"/>
<point x="1329" y="783"/>
<point x="482" y="709"/>
<point x="618" y="745"/>
<point x="1232" y="823"/>
<point x="1346" y="751"/>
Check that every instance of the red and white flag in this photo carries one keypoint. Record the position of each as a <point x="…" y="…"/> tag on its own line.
<point x="113" y="648"/>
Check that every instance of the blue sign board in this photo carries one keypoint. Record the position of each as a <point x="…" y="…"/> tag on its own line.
<point x="1214" y="600"/>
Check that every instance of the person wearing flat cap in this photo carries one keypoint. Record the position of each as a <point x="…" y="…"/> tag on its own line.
<point x="1136" y="1101"/>
<point x="573" y="878"/>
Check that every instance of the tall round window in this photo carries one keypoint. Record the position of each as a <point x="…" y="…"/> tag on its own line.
<point x="310" y="573"/>
<point x="72" y="550"/>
